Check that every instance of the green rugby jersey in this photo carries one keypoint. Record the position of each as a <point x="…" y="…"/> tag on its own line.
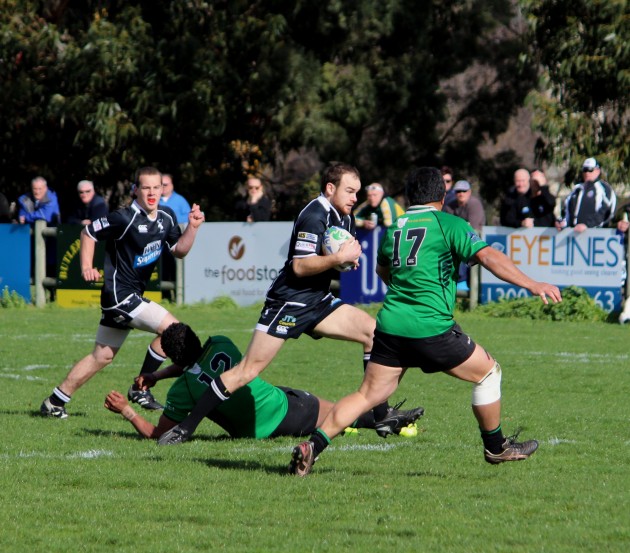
<point x="423" y="250"/>
<point x="253" y="411"/>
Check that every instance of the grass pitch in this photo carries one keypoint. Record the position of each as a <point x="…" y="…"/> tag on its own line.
<point x="88" y="483"/>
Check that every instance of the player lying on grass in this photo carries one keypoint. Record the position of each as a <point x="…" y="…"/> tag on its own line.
<point x="258" y="410"/>
<point x="418" y="258"/>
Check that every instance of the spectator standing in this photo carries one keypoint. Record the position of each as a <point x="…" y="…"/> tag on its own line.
<point x="469" y="208"/>
<point x="256" y="206"/>
<point x="591" y="204"/>
<point x="174" y="200"/>
<point x="91" y="205"/>
<point x="515" y="207"/>
<point x="448" y="178"/>
<point x="541" y="202"/>
<point x="377" y="209"/>
<point x="39" y="204"/>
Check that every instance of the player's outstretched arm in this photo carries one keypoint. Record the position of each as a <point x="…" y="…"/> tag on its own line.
<point x="187" y="239"/>
<point x="117" y="403"/>
<point x="501" y="266"/>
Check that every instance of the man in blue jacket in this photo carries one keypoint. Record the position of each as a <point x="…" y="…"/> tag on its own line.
<point x="40" y="203"/>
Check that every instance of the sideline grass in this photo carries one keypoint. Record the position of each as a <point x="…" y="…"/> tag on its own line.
<point x="89" y="484"/>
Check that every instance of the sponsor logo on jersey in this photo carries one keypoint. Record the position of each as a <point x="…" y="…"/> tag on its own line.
<point x="305" y="246"/>
<point x="287" y="321"/>
<point x="143" y="229"/>
<point x="97" y="225"/>
<point x="281" y="329"/>
<point x="160" y="225"/>
<point x="473" y="237"/>
<point x="150" y="254"/>
<point x="307" y="236"/>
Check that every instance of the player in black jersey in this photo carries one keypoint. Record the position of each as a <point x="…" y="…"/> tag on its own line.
<point x="135" y="237"/>
<point x="299" y="301"/>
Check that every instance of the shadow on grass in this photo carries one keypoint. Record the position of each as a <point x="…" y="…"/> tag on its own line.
<point x="131" y="434"/>
<point x="36" y="414"/>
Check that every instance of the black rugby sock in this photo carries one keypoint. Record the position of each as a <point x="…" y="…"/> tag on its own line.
<point x="320" y="441"/>
<point x="493" y="440"/>
<point x="152" y="361"/>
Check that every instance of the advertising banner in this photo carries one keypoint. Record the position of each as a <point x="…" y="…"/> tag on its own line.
<point x="362" y="285"/>
<point x="593" y="260"/>
<point x="15" y="261"/>
<point x="72" y="290"/>
<point x="239" y="260"/>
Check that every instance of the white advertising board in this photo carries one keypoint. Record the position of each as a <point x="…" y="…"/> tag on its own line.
<point x="239" y="260"/>
<point x="593" y="260"/>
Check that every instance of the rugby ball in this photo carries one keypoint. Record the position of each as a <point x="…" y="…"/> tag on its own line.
<point x="334" y="237"/>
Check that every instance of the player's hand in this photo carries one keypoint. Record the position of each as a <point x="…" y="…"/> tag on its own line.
<point x="196" y="216"/>
<point x="145" y="381"/>
<point x="91" y="275"/>
<point x="115" y="401"/>
<point x="350" y="251"/>
<point x="545" y="291"/>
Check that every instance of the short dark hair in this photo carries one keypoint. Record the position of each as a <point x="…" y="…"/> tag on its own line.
<point x="181" y="344"/>
<point x="146" y="171"/>
<point x="335" y="172"/>
<point x="446" y="170"/>
<point x="424" y="185"/>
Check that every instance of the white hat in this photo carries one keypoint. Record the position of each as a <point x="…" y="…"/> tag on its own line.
<point x="590" y="164"/>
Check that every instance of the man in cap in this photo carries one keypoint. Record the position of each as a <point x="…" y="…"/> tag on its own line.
<point x="591" y="204"/>
<point x="467" y="206"/>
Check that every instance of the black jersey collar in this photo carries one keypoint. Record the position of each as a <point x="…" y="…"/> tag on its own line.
<point x="136" y="207"/>
<point x="329" y="207"/>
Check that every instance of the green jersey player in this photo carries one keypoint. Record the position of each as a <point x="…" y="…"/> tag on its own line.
<point x="257" y="410"/>
<point x="419" y="259"/>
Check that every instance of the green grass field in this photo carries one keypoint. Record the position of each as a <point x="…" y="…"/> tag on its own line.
<point x="88" y="483"/>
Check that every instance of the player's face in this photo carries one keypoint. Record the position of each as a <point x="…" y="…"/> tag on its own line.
<point x="344" y="196"/>
<point x="148" y="192"/>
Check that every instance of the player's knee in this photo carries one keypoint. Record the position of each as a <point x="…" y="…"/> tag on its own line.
<point x="103" y="356"/>
<point x="488" y="389"/>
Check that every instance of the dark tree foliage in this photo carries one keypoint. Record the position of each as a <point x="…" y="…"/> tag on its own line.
<point x="582" y="105"/>
<point x="210" y="91"/>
